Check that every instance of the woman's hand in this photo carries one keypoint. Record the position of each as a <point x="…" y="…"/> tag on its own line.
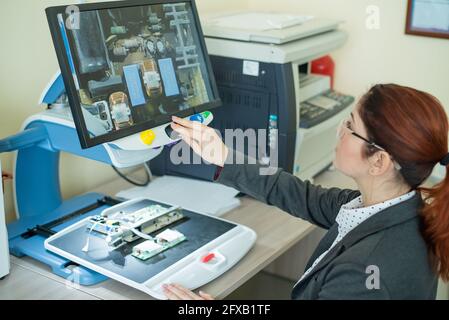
<point x="202" y="139"/>
<point x="178" y="292"/>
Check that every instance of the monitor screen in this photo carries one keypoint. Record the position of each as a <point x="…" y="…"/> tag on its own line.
<point x="129" y="65"/>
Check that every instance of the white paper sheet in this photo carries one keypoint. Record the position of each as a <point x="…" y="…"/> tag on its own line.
<point x="191" y="194"/>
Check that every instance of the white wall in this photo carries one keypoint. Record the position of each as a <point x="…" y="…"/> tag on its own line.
<point x="27" y="62"/>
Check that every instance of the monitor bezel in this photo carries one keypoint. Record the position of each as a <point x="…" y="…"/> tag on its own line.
<point x="86" y="140"/>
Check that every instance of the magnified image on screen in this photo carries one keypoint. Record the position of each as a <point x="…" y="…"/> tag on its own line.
<point x="134" y="64"/>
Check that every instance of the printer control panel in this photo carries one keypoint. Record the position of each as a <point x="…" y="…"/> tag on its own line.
<point x="322" y="107"/>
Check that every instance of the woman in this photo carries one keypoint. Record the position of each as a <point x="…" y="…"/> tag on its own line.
<point x="389" y="239"/>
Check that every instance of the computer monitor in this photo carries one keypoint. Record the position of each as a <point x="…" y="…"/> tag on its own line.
<point x="129" y="66"/>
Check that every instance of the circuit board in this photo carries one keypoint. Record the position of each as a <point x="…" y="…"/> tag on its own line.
<point x="121" y="226"/>
<point x="163" y="241"/>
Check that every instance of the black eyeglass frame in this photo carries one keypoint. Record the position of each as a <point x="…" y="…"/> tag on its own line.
<point x="369" y="142"/>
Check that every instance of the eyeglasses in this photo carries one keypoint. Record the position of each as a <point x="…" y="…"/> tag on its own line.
<point x="345" y="125"/>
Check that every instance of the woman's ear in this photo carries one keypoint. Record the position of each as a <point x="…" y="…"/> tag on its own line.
<point x="379" y="162"/>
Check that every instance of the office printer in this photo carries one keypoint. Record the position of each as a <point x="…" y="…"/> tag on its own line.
<point x="263" y="78"/>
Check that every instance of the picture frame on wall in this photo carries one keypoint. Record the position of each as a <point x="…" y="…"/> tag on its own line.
<point x="428" y="18"/>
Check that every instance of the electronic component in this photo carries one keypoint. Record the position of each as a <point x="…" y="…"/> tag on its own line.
<point x="121" y="227"/>
<point x="151" y="78"/>
<point x="120" y="110"/>
<point x="163" y="241"/>
<point x="105" y="87"/>
<point x="147" y="249"/>
<point x="118" y="30"/>
<point x="100" y="109"/>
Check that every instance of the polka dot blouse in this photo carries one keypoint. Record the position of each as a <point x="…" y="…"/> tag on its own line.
<point x="351" y="215"/>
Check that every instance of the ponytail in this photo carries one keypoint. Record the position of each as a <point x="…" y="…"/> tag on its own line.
<point x="435" y="215"/>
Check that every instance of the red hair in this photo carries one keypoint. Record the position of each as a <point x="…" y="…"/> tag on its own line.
<point x="413" y="127"/>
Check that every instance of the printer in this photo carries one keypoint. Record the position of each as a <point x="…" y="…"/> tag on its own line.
<point x="262" y="65"/>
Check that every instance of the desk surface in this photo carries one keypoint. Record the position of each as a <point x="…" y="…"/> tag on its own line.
<point x="276" y="233"/>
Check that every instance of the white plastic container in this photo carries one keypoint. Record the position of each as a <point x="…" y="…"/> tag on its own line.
<point x="4" y="252"/>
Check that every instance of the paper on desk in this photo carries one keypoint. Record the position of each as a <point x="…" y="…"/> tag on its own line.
<point x="259" y="21"/>
<point x="191" y="194"/>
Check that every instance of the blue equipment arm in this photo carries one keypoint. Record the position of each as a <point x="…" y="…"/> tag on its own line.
<point x="24" y="139"/>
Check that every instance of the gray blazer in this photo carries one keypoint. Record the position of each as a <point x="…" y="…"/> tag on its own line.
<point x="385" y="257"/>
